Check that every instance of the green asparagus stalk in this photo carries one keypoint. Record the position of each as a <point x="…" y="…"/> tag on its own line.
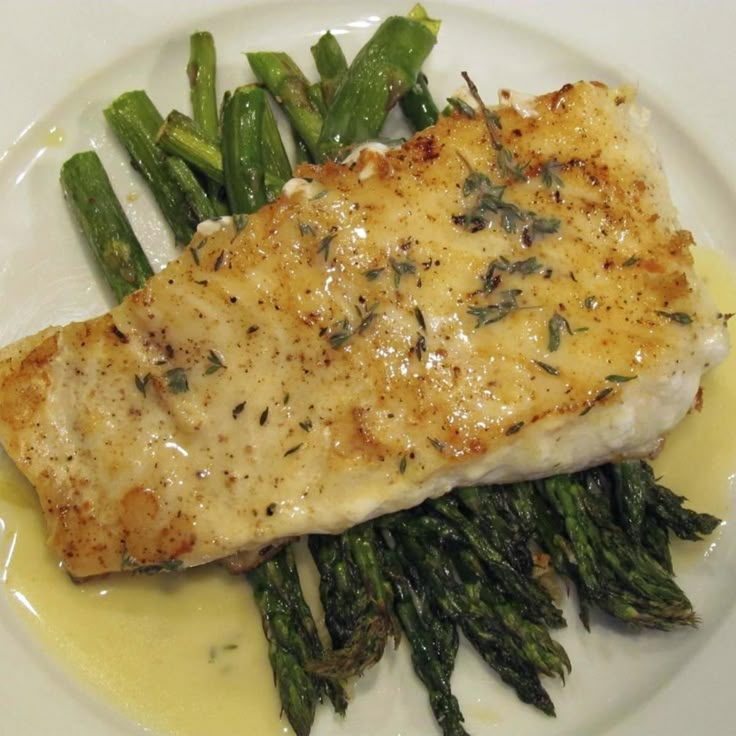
<point x="418" y="105"/>
<point x="331" y="65"/>
<point x="136" y="121"/>
<point x="491" y="640"/>
<point x="242" y="149"/>
<point x="99" y="215"/>
<point x="433" y="641"/>
<point x="290" y="88"/>
<point x="534" y="600"/>
<point x="298" y="690"/>
<point x="537" y="646"/>
<point x="200" y="205"/>
<point x="614" y="573"/>
<point x="182" y="137"/>
<point x="381" y="73"/>
<point x="361" y="635"/>
<point x="293" y="640"/>
<point x="276" y="165"/>
<point x="201" y="71"/>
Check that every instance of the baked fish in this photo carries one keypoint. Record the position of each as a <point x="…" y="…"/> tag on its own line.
<point x="497" y="299"/>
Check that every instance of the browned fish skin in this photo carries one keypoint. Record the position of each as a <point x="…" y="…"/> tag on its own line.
<point x="326" y="363"/>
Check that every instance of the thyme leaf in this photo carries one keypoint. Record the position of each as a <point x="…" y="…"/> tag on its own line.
<point x="457" y="103"/>
<point x="614" y="378"/>
<point x="373" y="273"/>
<point x="176" y="380"/>
<point x="216" y="363"/>
<point x="487" y="314"/>
<point x="547" y="368"/>
<point x="549" y="175"/>
<point x="401" y="268"/>
<point x="681" y="318"/>
<point x="509" y="166"/>
<point x="324" y="245"/>
<point x="141" y="382"/>
<point x="556" y="325"/>
<point x="343" y="329"/>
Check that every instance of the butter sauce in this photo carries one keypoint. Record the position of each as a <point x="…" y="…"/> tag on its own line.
<point x="185" y="654"/>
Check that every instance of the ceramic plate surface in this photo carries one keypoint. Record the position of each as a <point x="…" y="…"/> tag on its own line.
<point x="66" y="61"/>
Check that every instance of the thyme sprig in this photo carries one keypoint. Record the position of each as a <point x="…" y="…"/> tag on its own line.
<point x="549" y="175"/>
<point x="343" y="330"/>
<point x="215" y="363"/>
<point x="490" y="313"/>
<point x="489" y="204"/>
<point x="491" y="278"/>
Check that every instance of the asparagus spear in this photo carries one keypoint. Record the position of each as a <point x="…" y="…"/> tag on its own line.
<point x="418" y="105"/>
<point x="290" y="88"/>
<point x="101" y="218"/>
<point x="242" y="149"/>
<point x="434" y="574"/>
<point x="381" y="73"/>
<point x="367" y="621"/>
<point x="183" y="137"/>
<point x="331" y="65"/>
<point x="197" y="201"/>
<point x="277" y="169"/>
<point x="299" y="691"/>
<point x="201" y="71"/>
<point x="434" y="643"/>
<point x="535" y="601"/>
<point x="136" y="121"/>
<point x="293" y="640"/>
<point x="614" y="573"/>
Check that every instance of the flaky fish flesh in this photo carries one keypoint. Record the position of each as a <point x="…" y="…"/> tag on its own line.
<point x="494" y="300"/>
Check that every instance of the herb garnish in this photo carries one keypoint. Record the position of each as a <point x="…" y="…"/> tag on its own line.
<point x="216" y="363"/>
<point x="305" y="228"/>
<point x="509" y="166"/>
<point x="547" y="368"/>
<point x="556" y="325"/>
<point x="485" y="315"/>
<point x="613" y="378"/>
<point x="420" y="318"/>
<point x="292" y="450"/>
<point x="176" y="379"/>
<point x="141" y="382"/>
<point x="420" y="346"/>
<point x="461" y="106"/>
<point x="438" y="444"/>
<point x="488" y="202"/>
<point x="324" y="245"/>
<point x="401" y="268"/>
<point x="402" y="464"/>
<point x="526" y="267"/>
<point x="514" y="428"/>
<point x="194" y="250"/>
<point x="549" y="174"/>
<point x="343" y="330"/>
<point x="306" y="425"/>
<point x="264" y="417"/>
<point x="238" y="409"/>
<point x="681" y="318"/>
<point x="373" y="273"/>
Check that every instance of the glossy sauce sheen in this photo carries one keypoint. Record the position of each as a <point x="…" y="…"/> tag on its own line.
<point x="185" y="655"/>
<point x="324" y="365"/>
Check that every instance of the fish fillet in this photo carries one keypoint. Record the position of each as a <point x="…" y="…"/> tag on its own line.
<point x="387" y="329"/>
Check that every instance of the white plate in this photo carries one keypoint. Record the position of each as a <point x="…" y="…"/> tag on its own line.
<point x="66" y="60"/>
